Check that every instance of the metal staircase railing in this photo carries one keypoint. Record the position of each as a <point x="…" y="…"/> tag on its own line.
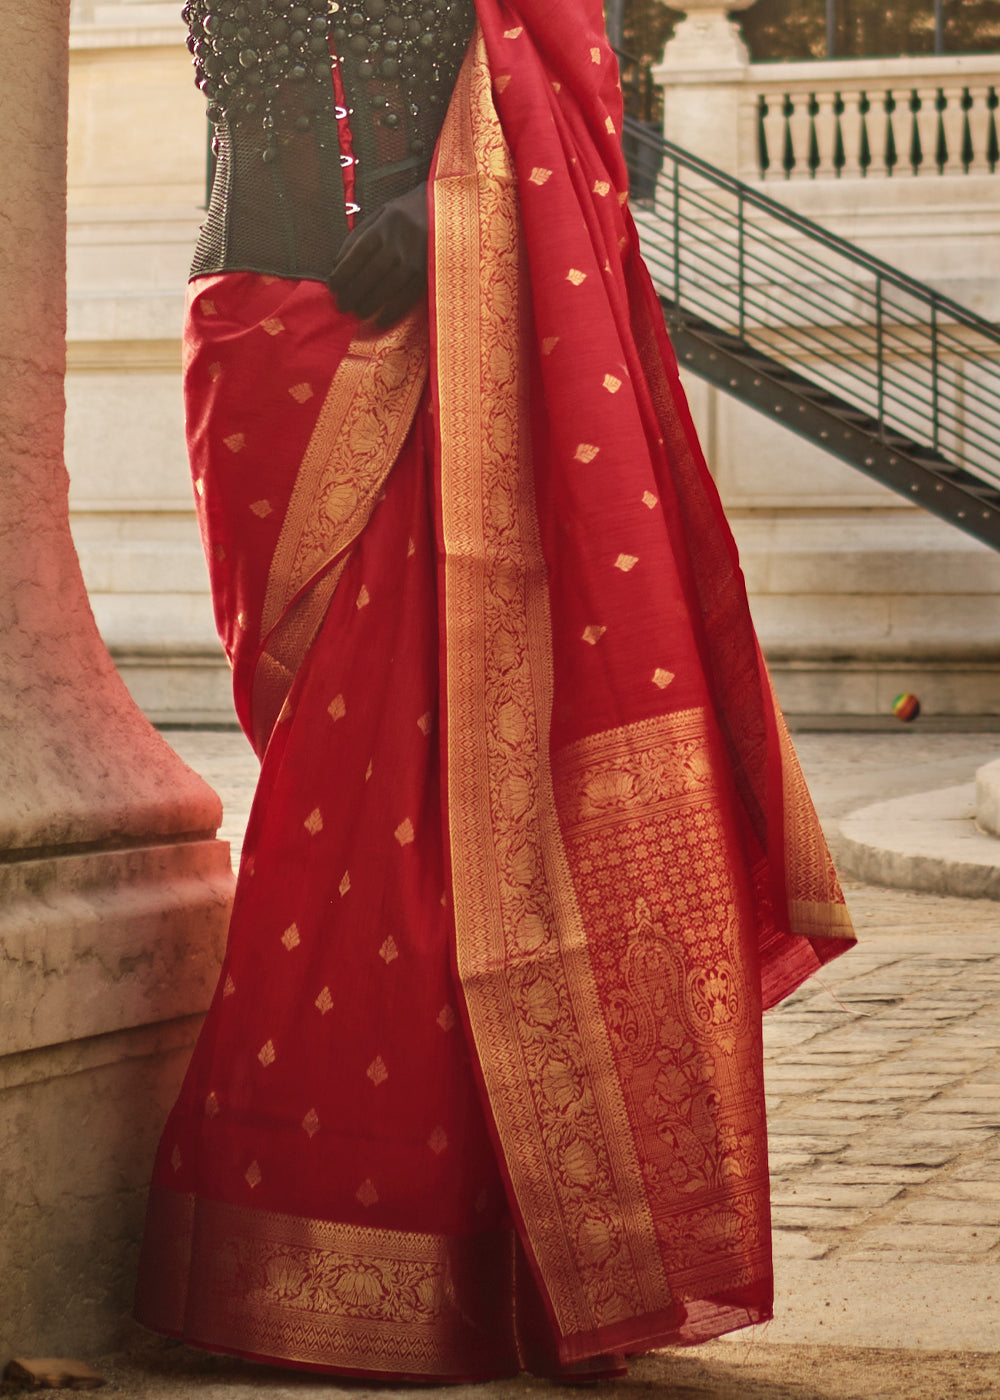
<point x="873" y="366"/>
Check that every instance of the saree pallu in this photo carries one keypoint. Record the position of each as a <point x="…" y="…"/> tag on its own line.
<point x="481" y="1086"/>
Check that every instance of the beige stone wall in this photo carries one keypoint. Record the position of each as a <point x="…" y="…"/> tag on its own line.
<point x="136" y="188"/>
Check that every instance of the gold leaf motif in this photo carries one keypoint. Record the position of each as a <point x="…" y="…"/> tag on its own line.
<point x="576" y="276"/>
<point x="556" y="87"/>
<point x="612" y="383"/>
<point x="290" y="937"/>
<point x="337" y="708"/>
<point x="324" y="1002"/>
<point x="602" y="188"/>
<point x="539" y="175"/>
<point x="377" y="1071"/>
<point x="199" y="486"/>
<point x="446" y="1018"/>
<point x="623" y="198"/>
<point x="549" y="344"/>
<point x="212" y="1105"/>
<point x="301" y="393"/>
<point x="253" y="1175"/>
<point x="411" y="548"/>
<point x="586" y="452"/>
<point x="207" y="307"/>
<point x="593" y="634"/>
<point x="595" y="55"/>
<point x="388" y="951"/>
<point x="364" y="598"/>
<point x="438" y="1141"/>
<point x="625" y="562"/>
<point x="261" y="508"/>
<point x="366" y="1193"/>
<point x="425" y="724"/>
<point x="214" y="370"/>
<point x="274" y="325"/>
<point x="229" y="987"/>
<point x="235" y="442"/>
<point x="314" y="822"/>
<point x="609" y="126"/>
<point x="649" y="500"/>
<point x="404" y="832"/>
<point x="502" y="82"/>
<point x="345" y="884"/>
<point x="368" y="770"/>
<point x="266" y="1053"/>
<point x="311" y="1122"/>
<point x="241" y="620"/>
<point x="662" y="678"/>
<point x="514" y="33"/>
<point x="340" y="502"/>
<point x="175" y="1158"/>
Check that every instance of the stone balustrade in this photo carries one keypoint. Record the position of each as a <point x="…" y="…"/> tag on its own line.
<point x="870" y="118"/>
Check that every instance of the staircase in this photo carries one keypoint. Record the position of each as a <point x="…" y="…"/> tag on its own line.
<point x="879" y="370"/>
<point x="867" y="363"/>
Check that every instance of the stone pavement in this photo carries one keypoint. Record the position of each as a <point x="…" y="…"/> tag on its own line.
<point x="884" y="1111"/>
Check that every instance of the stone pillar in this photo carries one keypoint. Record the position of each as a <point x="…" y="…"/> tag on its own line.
<point x="114" y="891"/>
<point x="702" y="73"/>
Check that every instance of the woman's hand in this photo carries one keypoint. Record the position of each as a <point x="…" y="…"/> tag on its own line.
<point x="382" y="269"/>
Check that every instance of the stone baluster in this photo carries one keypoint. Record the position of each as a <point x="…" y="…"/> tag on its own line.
<point x="826" y="132"/>
<point x="953" y="120"/>
<point x="876" y="124"/>
<point x="800" y="131"/>
<point x="113" y="891"/>
<point x="774" y="134"/>
<point x="979" y="129"/>
<point x="850" y="132"/>
<point x="924" y="101"/>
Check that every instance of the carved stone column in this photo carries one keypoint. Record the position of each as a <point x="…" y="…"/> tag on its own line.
<point x="701" y="72"/>
<point x="114" y="891"/>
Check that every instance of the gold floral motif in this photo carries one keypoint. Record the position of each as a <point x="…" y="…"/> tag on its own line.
<point x="388" y="951"/>
<point x="337" y="708"/>
<point x="327" y="1294"/>
<point x="367" y="1193"/>
<point x="377" y="1071"/>
<point x="314" y="822"/>
<point x="324" y="1002"/>
<point x="593" y="634"/>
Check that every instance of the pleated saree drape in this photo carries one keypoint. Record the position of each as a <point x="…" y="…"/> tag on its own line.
<point x="531" y="850"/>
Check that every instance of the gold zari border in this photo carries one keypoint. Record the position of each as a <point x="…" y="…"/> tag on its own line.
<point x="326" y="1294"/>
<point x="532" y="1001"/>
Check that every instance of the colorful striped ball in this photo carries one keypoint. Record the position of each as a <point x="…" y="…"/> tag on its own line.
<point x="906" y="707"/>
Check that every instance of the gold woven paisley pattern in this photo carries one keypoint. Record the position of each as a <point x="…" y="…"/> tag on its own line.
<point x="647" y="844"/>
<point x="542" y="1043"/>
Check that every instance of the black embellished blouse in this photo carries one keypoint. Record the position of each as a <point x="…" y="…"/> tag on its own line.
<point x="302" y="93"/>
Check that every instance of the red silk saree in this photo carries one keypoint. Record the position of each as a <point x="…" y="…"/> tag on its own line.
<point x="481" y="1086"/>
